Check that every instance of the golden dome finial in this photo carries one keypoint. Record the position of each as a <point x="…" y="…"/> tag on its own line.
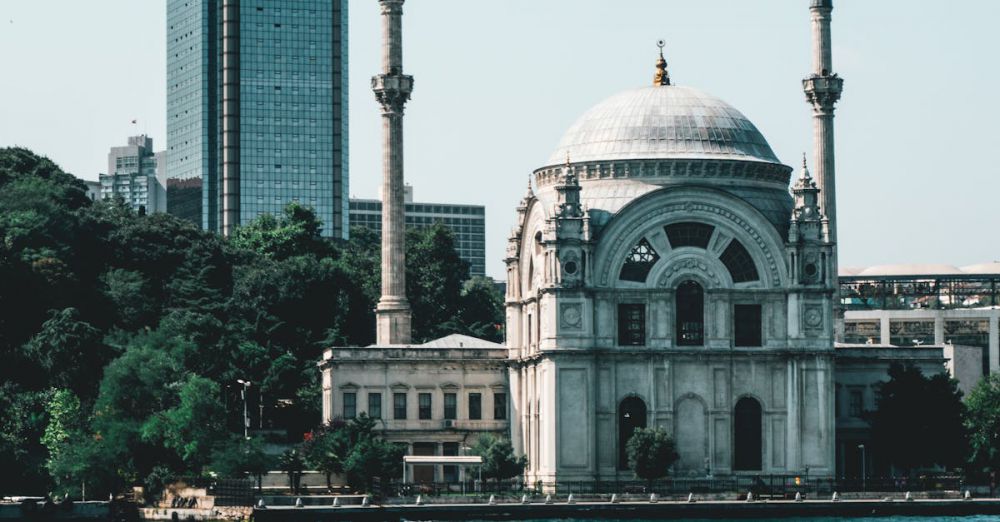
<point x="662" y="77"/>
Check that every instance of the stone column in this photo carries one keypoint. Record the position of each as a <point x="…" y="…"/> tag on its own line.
<point x="230" y="116"/>
<point x="392" y="89"/>
<point x="822" y="89"/>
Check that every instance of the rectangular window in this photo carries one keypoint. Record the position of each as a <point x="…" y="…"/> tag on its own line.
<point x="424" y="402"/>
<point x="856" y="404"/>
<point x="450" y="406"/>
<point x="747" y="325"/>
<point x="375" y="405"/>
<point x="632" y="324"/>
<point x="500" y="406"/>
<point x="399" y="406"/>
<point x="475" y="406"/>
<point x="350" y="405"/>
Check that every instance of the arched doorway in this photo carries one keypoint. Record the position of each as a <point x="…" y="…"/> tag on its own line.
<point x="631" y="416"/>
<point x="749" y="440"/>
<point x="690" y="306"/>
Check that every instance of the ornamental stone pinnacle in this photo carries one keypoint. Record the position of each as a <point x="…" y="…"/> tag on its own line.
<point x="392" y="90"/>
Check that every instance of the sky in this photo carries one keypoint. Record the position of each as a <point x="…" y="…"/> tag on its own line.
<point x="497" y="83"/>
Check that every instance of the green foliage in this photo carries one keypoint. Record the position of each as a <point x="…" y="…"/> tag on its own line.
<point x="983" y="424"/>
<point x="434" y="277"/>
<point x="146" y="319"/>
<point x="295" y="232"/>
<point x="650" y="453"/>
<point x="912" y="403"/>
<point x="326" y="449"/>
<point x="69" y="351"/>
<point x="499" y="460"/>
<point x="238" y="456"/>
<point x="193" y="427"/>
<point x="292" y="463"/>
<point x="370" y="457"/>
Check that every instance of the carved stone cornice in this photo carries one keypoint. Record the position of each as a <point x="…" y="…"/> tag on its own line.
<point x="823" y="92"/>
<point x="687" y="169"/>
<point x="392" y="91"/>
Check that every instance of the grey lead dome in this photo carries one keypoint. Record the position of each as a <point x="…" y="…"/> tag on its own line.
<point x="662" y="122"/>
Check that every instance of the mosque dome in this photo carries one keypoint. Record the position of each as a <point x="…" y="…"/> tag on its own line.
<point x="663" y="122"/>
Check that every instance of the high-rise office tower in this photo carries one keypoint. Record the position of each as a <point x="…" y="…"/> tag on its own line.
<point x="136" y="174"/>
<point x="257" y="110"/>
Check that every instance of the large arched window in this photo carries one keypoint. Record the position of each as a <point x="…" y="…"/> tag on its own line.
<point x="739" y="262"/>
<point x="690" y="307"/>
<point x="749" y="435"/>
<point x="631" y="416"/>
<point x="689" y="234"/>
<point x="639" y="262"/>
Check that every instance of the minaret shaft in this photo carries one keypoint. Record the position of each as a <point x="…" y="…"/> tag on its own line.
<point x="392" y="89"/>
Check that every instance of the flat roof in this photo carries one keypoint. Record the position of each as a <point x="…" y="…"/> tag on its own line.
<point x="438" y="459"/>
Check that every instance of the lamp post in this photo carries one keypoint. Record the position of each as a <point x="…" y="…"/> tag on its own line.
<point x="863" y="461"/>
<point x="246" y="415"/>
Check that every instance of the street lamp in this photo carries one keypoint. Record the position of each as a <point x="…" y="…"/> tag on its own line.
<point x="246" y="415"/>
<point x="863" y="461"/>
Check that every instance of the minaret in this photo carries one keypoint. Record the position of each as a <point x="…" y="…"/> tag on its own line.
<point x="392" y="90"/>
<point x="822" y="89"/>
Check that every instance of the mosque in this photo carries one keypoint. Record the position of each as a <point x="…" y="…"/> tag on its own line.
<point x="660" y="273"/>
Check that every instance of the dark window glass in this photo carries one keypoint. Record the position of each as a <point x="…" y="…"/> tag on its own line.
<point x="450" y="406"/>
<point x="350" y="405"/>
<point x="475" y="406"/>
<point x="632" y="324"/>
<point x="689" y="234"/>
<point x="639" y="262"/>
<point x="856" y="404"/>
<point x="747" y="325"/>
<point x="690" y="314"/>
<point x="375" y="405"/>
<point x="500" y="406"/>
<point x="399" y="405"/>
<point x="424" y="402"/>
<point x="739" y="263"/>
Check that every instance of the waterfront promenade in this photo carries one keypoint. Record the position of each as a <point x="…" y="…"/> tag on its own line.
<point x="635" y="510"/>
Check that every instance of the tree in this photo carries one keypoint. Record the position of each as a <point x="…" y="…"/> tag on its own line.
<point x="499" y="460"/>
<point x="292" y="463"/>
<point x="70" y="352"/>
<point x="295" y="232"/>
<point x="912" y="403"/>
<point x="650" y="452"/>
<point x="238" y="456"/>
<point x="481" y="312"/>
<point x="326" y="449"/>
<point x="193" y="427"/>
<point x="370" y="457"/>
<point x="434" y="277"/>
<point x="983" y="423"/>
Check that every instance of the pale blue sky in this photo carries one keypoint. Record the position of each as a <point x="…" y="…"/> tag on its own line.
<point x="498" y="82"/>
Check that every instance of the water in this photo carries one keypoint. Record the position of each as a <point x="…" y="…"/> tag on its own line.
<point x="975" y="518"/>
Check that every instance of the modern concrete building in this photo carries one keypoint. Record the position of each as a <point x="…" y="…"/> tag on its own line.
<point x="137" y="175"/>
<point x="257" y="110"/>
<point x="467" y="222"/>
<point x="93" y="189"/>
<point x="906" y="305"/>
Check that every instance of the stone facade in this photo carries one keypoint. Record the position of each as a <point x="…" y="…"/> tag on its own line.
<point x="437" y="397"/>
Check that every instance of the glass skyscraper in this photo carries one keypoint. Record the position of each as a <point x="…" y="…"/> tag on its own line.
<point x="289" y="105"/>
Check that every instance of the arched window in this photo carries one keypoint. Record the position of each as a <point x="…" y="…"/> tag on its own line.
<point x="689" y="234"/>
<point x="749" y="443"/>
<point x="690" y="306"/>
<point x="631" y="416"/>
<point x="739" y="263"/>
<point x="639" y="262"/>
